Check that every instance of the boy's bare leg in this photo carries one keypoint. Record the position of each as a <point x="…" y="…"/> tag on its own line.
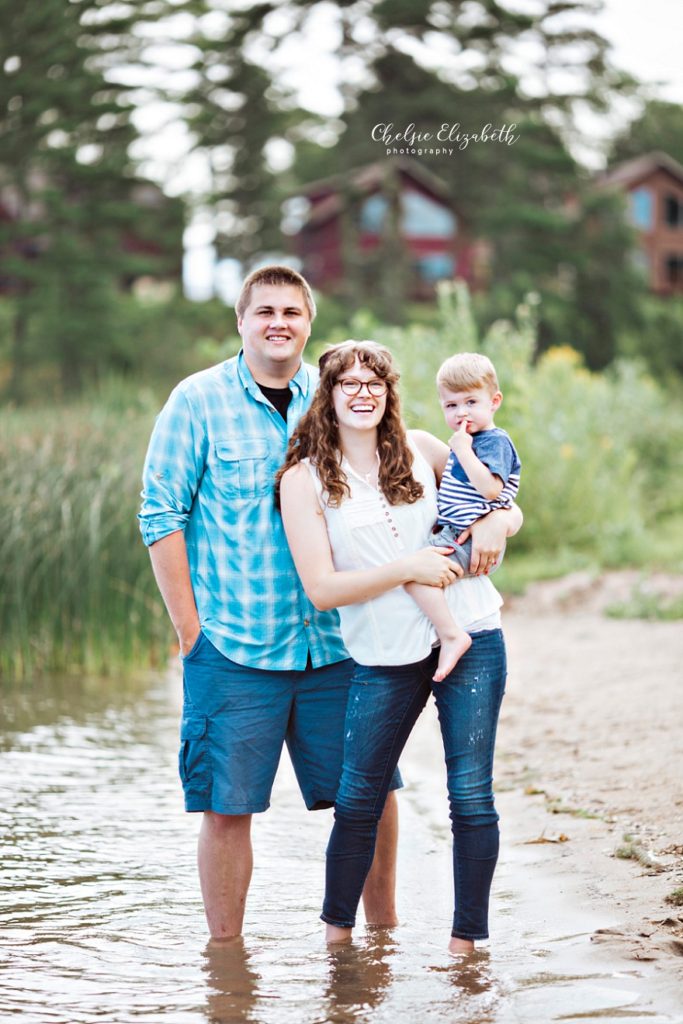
<point x="225" y="861"/>
<point x="454" y="641"/>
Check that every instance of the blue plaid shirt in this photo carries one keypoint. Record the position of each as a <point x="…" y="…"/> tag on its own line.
<point x="209" y="471"/>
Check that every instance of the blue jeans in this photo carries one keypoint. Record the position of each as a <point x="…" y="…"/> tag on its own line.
<point x="384" y="704"/>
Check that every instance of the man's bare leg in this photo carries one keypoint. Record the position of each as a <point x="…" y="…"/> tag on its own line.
<point x="225" y="860"/>
<point x="379" y="891"/>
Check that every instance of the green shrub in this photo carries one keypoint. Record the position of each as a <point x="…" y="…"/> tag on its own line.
<point x="658" y="337"/>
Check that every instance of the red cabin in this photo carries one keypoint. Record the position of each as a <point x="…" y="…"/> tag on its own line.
<point x="653" y="184"/>
<point x="359" y="214"/>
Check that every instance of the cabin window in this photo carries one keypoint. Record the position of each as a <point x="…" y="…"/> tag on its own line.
<point x="425" y="218"/>
<point x="436" y="266"/>
<point x="642" y="208"/>
<point x="674" y="269"/>
<point x="673" y="212"/>
<point x="373" y="214"/>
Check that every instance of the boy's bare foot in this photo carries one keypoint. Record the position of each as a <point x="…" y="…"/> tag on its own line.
<point x="452" y="650"/>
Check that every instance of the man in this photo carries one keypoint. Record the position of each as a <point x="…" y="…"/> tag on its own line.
<point x="261" y="664"/>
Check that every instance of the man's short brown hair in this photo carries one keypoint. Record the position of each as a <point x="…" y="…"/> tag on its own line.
<point x="467" y="370"/>
<point x="275" y="274"/>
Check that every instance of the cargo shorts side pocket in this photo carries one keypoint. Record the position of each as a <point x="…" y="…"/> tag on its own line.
<point x="193" y="758"/>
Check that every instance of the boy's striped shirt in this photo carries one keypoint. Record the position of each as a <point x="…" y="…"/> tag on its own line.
<point x="460" y="503"/>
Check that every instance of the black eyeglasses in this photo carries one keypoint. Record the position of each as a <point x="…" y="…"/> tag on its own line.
<point x="351" y="387"/>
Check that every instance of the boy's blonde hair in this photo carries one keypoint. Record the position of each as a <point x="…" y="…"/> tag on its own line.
<point x="467" y="370"/>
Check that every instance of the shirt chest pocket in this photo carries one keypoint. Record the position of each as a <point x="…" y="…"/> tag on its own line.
<point x="243" y="468"/>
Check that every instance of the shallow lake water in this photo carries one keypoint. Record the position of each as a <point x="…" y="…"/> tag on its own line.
<point x="101" y="918"/>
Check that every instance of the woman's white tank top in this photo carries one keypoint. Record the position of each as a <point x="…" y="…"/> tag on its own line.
<point x="367" y="531"/>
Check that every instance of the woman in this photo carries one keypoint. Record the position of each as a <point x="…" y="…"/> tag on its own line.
<point x="358" y="499"/>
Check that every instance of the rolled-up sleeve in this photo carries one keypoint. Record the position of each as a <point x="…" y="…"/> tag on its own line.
<point x="173" y="469"/>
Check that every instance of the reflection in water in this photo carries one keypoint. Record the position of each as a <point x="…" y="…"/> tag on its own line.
<point x="232" y="982"/>
<point x="359" y="977"/>
<point x="471" y="975"/>
<point x="476" y="989"/>
<point x="62" y="700"/>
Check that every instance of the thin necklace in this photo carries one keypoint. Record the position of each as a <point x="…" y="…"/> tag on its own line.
<point x="366" y="476"/>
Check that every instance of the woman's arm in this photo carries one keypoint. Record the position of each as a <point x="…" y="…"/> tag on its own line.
<point x="310" y="547"/>
<point x="489" y="535"/>
<point x="434" y="451"/>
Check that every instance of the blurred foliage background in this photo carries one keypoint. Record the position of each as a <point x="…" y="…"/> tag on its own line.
<point x="94" y="329"/>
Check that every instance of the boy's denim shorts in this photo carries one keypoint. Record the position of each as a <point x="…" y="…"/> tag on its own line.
<point x="236" y="719"/>
<point x="444" y="535"/>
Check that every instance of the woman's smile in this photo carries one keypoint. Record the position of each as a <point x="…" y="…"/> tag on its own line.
<point x="362" y="409"/>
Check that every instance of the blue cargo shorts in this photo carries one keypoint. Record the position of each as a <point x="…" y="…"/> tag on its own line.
<point x="236" y="720"/>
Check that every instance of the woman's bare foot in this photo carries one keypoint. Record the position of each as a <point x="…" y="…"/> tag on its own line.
<point x="459" y="946"/>
<point x="334" y="934"/>
<point x="452" y="650"/>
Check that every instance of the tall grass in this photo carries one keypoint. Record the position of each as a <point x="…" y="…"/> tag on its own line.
<point x="77" y="592"/>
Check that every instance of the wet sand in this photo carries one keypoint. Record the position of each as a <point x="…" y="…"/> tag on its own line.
<point x="593" y="725"/>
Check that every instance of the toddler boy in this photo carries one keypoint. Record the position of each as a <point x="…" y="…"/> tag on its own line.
<point x="482" y="474"/>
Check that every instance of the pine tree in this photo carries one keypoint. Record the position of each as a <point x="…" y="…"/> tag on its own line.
<point x="66" y="178"/>
<point x="659" y="127"/>
<point x="234" y="112"/>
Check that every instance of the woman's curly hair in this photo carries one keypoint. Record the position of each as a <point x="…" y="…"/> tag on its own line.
<point x="317" y="435"/>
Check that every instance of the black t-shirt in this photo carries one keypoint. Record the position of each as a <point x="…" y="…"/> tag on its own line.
<point x="279" y="398"/>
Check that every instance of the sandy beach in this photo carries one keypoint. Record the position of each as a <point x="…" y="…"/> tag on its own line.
<point x="590" y="750"/>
